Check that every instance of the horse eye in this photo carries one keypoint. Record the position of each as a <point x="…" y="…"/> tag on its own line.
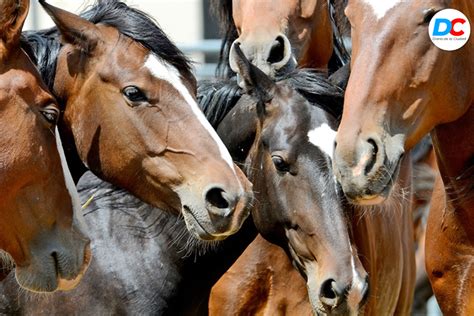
<point x="280" y="164"/>
<point x="134" y="94"/>
<point x="51" y="114"/>
<point x="428" y="15"/>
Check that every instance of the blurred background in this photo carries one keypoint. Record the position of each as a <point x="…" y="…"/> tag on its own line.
<point x="187" y="22"/>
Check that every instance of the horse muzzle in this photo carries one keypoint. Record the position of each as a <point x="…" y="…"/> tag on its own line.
<point x="216" y="213"/>
<point x="368" y="172"/>
<point x="55" y="265"/>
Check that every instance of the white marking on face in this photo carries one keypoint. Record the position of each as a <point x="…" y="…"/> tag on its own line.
<point x="169" y="73"/>
<point x="381" y="7"/>
<point x="323" y="137"/>
<point x="78" y="218"/>
<point x="357" y="281"/>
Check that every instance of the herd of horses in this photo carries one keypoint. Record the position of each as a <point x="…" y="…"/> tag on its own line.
<point x="286" y="185"/>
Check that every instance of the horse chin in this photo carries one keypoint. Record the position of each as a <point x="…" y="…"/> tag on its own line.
<point x="196" y="228"/>
<point x="45" y="277"/>
<point x="67" y="285"/>
<point x="368" y="200"/>
<point x="378" y="195"/>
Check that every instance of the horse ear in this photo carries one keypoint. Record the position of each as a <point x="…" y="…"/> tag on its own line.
<point x="256" y="81"/>
<point x="74" y="29"/>
<point x="12" y="18"/>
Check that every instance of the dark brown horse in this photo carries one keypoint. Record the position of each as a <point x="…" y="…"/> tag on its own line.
<point x="131" y="117"/>
<point x="300" y="208"/>
<point x="41" y="225"/>
<point x="272" y="33"/>
<point x="398" y="91"/>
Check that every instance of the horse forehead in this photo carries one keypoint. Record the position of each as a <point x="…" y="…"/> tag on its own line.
<point x="381" y="7"/>
<point x="24" y="83"/>
<point x="121" y="50"/>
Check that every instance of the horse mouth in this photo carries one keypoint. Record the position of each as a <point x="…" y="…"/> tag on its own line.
<point x="67" y="285"/>
<point x="196" y="228"/>
<point x="383" y="188"/>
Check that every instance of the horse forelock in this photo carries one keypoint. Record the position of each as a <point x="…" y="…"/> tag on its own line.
<point x="44" y="46"/>
<point x="317" y="89"/>
<point x="142" y="28"/>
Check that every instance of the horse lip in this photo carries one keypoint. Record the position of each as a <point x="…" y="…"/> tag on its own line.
<point x="67" y="285"/>
<point x="382" y="195"/>
<point x="198" y="230"/>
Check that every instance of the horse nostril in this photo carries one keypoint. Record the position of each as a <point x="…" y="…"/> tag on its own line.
<point x="54" y="254"/>
<point x="373" y="157"/>
<point x="277" y="52"/>
<point x="216" y="198"/>
<point x="327" y="289"/>
<point x="330" y="295"/>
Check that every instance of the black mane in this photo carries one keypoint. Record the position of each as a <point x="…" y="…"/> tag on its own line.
<point x="217" y="97"/>
<point x="43" y="46"/>
<point x="223" y="10"/>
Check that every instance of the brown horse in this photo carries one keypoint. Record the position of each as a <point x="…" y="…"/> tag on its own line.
<point x="401" y="87"/>
<point x="41" y="225"/>
<point x="270" y="33"/>
<point x="131" y="117"/>
<point x="300" y="208"/>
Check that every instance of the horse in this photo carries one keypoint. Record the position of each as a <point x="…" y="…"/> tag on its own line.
<point x="273" y="33"/>
<point x="159" y="279"/>
<point x="375" y="236"/>
<point x="294" y="122"/>
<point x="129" y="110"/>
<point x="41" y="230"/>
<point x="145" y="261"/>
<point x="141" y="121"/>
<point x="390" y="104"/>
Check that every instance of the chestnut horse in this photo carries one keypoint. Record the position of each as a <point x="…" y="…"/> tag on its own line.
<point x="396" y="94"/>
<point x="270" y="33"/>
<point x="300" y="208"/>
<point x="129" y="111"/>
<point x="41" y="225"/>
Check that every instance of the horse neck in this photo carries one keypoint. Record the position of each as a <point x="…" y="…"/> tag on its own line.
<point x="318" y="50"/>
<point x="454" y="146"/>
<point x="453" y="142"/>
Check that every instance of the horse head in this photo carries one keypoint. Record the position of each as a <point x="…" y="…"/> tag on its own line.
<point x="401" y="86"/>
<point x="299" y="205"/>
<point x="41" y="225"/>
<point x="133" y="119"/>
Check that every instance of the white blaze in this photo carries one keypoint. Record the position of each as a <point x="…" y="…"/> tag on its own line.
<point x="323" y="137"/>
<point x="71" y="187"/>
<point x="357" y="281"/>
<point x="167" y="72"/>
<point x="381" y="7"/>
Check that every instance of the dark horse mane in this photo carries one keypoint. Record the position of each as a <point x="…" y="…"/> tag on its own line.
<point x="217" y="97"/>
<point x="222" y="9"/>
<point x="44" y="46"/>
